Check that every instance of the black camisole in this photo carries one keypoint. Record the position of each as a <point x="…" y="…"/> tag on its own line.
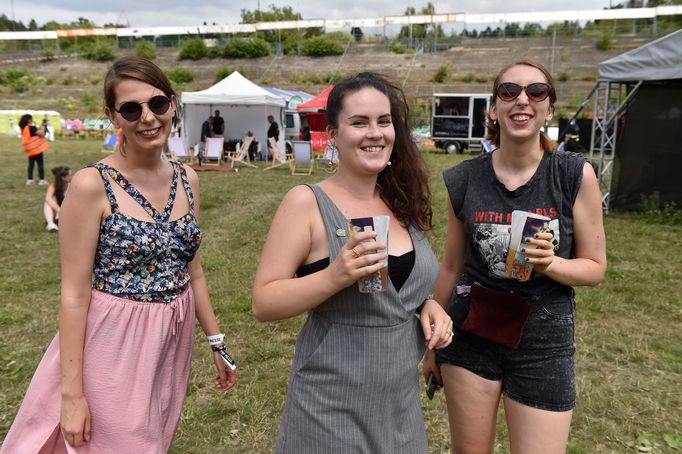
<point x="399" y="268"/>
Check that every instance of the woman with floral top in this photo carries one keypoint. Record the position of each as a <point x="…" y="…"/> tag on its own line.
<point x="115" y="377"/>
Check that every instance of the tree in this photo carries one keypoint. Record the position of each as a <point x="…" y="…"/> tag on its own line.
<point x="288" y="39"/>
<point x="421" y="32"/>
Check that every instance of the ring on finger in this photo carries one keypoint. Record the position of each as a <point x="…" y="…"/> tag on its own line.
<point x="356" y="254"/>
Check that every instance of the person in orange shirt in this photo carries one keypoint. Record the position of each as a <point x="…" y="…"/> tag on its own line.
<point x="34" y="143"/>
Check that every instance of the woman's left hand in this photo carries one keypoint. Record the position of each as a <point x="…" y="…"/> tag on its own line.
<point x="226" y="377"/>
<point x="542" y="256"/>
<point x="437" y="325"/>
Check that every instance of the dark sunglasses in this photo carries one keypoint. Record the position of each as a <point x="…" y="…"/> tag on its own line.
<point x="509" y="91"/>
<point x="132" y="110"/>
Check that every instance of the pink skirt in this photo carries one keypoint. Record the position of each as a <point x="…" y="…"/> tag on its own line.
<point x="136" y="364"/>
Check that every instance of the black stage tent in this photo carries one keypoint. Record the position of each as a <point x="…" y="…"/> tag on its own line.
<point x="649" y="142"/>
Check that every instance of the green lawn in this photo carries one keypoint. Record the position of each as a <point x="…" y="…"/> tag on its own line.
<point x="628" y="334"/>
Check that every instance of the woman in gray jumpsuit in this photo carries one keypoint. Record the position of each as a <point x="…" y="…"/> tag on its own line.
<point x="354" y="385"/>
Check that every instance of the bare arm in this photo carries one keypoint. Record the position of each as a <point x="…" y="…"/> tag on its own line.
<point x="49" y="198"/>
<point x="452" y="264"/>
<point x="451" y="268"/>
<point x="82" y="213"/>
<point x="294" y="233"/>
<point x="589" y="265"/>
<point x="226" y="378"/>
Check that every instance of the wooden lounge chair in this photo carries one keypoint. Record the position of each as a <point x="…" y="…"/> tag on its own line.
<point x="213" y="153"/>
<point x="279" y="158"/>
<point x="178" y="152"/>
<point x="303" y="162"/>
<point x="241" y="154"/>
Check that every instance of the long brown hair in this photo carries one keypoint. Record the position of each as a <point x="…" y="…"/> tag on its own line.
<point x="404" y="185"/>
<point x="59" y="184"/>
<point x="493" y="129"/>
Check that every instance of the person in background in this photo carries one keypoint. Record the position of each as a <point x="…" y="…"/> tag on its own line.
<point x="55" y="196"/>
<point x="206" y="133"/>
<point x="115" y="377"/>
<point x="273" y="133"/>
<point x="354" y="384"/>
<point x="514" y="339"/>
<point x="34" y="143"/>
<point x="218" y="125"/>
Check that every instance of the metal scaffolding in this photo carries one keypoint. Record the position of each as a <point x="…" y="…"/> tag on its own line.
<point x="610" y="102"/>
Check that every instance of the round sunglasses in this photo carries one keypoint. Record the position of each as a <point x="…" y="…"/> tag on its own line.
<point x="132" y="110"/>
<point x="509" y="91"/>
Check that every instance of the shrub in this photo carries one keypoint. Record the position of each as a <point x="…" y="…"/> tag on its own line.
<point x="396" y="47"/>
<point x="214" y="52"/>
<point x="222" y="72"/>
<point x="441" y="75"/>
<point x="605" y="42"/>
<point x="145" y="49"/>
<point x="18" y="80"/>
<point x="180" y="75"/>
<point x="246" y="48"/>
<point x="88" y="101"/>
<point x="102" y="50"/>
<point x="319" y="46"/>
<point x="193" y="49"/>
<point x="653" y="211"/>
<point x="564" y="76"/>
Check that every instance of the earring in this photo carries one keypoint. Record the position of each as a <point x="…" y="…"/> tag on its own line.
<point x="332" y="154"/>
<point x="388" y="163"/>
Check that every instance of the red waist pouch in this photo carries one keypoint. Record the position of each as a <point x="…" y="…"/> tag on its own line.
<point x="496" y="315"/>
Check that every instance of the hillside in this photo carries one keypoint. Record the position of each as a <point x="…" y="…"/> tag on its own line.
<point x="73" y="87"/>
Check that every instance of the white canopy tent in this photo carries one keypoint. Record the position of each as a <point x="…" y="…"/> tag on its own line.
<point x="243" y="105"/>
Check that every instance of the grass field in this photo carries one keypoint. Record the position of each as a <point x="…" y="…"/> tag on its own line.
<point x="629" y="332"/>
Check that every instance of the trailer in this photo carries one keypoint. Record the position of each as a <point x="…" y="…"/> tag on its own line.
<point x="458" y="120"/>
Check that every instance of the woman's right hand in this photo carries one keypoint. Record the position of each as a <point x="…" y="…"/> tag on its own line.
<point x="429" y="367"/>
<point x="357" y="259"/>
<point x="75" y="420"/>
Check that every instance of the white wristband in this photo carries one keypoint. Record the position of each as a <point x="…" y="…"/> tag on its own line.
<point x="216" y="339"/>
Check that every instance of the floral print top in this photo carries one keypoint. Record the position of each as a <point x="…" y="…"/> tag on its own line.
<point x="144" y="260"/>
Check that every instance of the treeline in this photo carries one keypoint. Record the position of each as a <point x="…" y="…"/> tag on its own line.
<point x="315" y="42"/>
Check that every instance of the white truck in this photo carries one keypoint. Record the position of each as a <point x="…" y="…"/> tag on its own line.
<point x="458" y="120"/>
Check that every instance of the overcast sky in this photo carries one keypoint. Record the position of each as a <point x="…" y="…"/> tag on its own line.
<point x="140" y="13"/>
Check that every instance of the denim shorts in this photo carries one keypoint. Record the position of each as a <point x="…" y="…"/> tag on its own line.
<point x="540" y="373"/>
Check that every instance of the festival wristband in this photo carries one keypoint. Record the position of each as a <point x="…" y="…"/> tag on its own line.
<point x="225" y="356"/>
<point x="216" y="339"/>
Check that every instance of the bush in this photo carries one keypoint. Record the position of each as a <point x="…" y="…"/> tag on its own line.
<point x="102" y="50"/>
<point x="18" y="80"/>
<point x="222" y="72"/>
<point x="396" y="47"/>
<point x="89" y="102"/>
<point x="145" y="49"/>
<point x="246" y="48"/>
<point x="441" y="75"/>
<point x="214" y="52"/>
<point x="605" y="42"/>
<point x="193" y="49"/>
<point x="180" y="75"/>
<point x="319" y="46"/>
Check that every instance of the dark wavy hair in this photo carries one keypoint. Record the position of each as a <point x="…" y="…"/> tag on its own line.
<point x="23" y="121"/>
<point x="493" y="129"/>
<point x="137" y="68"/>
<point x="404" y="185"/>
<point x="59" y="184"/>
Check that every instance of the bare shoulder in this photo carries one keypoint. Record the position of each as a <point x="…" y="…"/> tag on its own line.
<point x="300" y="197"/>
<point x="87" y="183"/>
